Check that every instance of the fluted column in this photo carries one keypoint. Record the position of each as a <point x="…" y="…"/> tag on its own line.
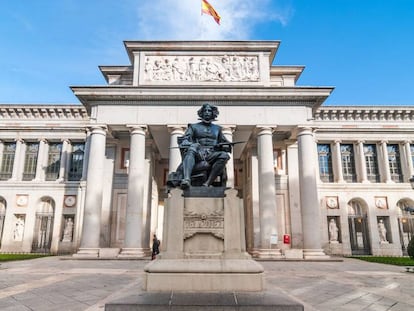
<point x="175" y="155"/>
<point x="311" y="221"/>
<point x="91" y="228"/>
<point x="228" y="133"/>
<point x="133" y="244"/>
<point x="386" y="164"/>
<point x="41" y="160"/>
<point x="337" y="162"/>
<point x="362" y="164"/>
<point x="407" y="148"/>
<point x="267" y="194"/>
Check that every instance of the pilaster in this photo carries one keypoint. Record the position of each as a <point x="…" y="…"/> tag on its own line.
<point x="175" y="154"/>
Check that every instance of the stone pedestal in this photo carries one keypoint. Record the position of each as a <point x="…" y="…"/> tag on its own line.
<point x="203" y="246"/>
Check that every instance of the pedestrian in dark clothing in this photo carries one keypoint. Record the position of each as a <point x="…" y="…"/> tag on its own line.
<point x="155" y="247"/>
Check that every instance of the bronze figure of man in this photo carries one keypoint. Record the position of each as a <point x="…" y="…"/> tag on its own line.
<point x="204" y="141"/>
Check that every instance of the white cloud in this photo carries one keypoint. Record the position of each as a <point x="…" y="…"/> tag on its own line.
<point x="182" y="20"/>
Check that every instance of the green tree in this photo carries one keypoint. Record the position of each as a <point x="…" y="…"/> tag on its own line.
<point x="410" y="248"/>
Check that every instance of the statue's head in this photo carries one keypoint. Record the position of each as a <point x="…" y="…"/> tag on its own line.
<point x="208" y="112"/>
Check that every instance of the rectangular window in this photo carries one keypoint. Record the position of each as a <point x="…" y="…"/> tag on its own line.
<point x="76" y="162"/>
<point x="371" y="162"/>
<point x="53" y="161"/>
<point x="325" y="162"/>
<point x="348" y="163"/>
<point x="394" y="161"/>
<point x="30" y="161"/>
<point x="7" y="161"/>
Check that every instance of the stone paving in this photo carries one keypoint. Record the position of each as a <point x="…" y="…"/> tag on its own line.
<point x="55" y="284"/>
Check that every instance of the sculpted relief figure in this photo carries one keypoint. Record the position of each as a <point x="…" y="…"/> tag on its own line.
<point x="18" y="229"/>
<point x="205" y="152"/>
<point x="202" y="68"/>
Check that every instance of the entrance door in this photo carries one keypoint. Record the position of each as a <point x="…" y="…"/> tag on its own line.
<point x="358" y="229"/>
<point x="42" y="237"/>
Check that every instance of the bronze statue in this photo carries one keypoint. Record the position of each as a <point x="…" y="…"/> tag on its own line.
<point x="205" y="152"/>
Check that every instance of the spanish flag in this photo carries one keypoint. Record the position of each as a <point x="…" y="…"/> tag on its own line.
<point x="207" y="8"/>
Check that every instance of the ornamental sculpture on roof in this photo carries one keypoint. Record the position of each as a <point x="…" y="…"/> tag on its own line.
<point x="202" y="68"/>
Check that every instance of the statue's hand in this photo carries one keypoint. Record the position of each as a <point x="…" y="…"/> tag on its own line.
<point x="185" y="144"/>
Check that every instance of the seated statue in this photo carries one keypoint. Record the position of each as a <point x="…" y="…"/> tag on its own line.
<point x="205" y="152"/>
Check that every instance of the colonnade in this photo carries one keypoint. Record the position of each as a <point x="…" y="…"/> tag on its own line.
<point x="134" y="244"/>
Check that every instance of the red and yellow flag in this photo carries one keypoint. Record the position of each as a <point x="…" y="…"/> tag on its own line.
<point x="207" y="8"/>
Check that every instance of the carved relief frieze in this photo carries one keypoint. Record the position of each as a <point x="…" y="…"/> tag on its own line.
<point x="223" y="68"/>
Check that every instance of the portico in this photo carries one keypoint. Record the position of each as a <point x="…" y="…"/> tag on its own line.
<point x="144" y="109"/>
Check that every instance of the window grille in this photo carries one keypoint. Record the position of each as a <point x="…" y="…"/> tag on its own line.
<point x="325" y="162"/>
<point x="30" y="161"/>
<point x="371" y="162"/>
<point x="348" y="162"/>
<point x="53" y="161"/>
<point x="7" y="161"/>
<point x="394" y="162"/>
<point x="76" y="162"/>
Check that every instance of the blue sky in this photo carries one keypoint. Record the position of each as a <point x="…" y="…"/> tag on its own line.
<point x="365" y="49"/>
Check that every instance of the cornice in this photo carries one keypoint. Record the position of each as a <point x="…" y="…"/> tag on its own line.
<point x="43" y="112"/>
<point x="364" y="114"/>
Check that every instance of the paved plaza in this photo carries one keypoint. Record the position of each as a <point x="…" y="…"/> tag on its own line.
<point x="55" y="284"/>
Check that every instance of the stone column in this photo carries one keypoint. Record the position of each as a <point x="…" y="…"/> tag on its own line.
<point x="362" y="164"/>
<point x="410" y="170"/>
<point x="337" y="162"/>
<point x="228" y="133"/>
<point x="18" y="160"/>
<point x="267" y="194"/>
<point x="133" y="246"/>
<point x="64" y="160"/>
<point x="175" y="154"/>
<point x="41" y="160"/>
<point x="386" y="164"/>
<point x="91" y="228"/>
<point x="311" y="219"/>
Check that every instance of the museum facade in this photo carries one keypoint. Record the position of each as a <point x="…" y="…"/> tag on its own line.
<point x="89" y="179"/>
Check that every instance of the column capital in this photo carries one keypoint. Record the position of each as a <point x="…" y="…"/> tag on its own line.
<point x="97" y="129"/>
<point x="337" y="141"/>
<point x="384" y="142"/>
<point x="230" y="128"/>
<point x="137" y="129"/>
<point x="361" y="141"/>
<point x="407" y="141"/>
<point x="265" y="129"/>
<point x="176" y="128"/>
<point x="42" y="139"/>
<point x="305" y="130"/>
<point x="19" y="140"/>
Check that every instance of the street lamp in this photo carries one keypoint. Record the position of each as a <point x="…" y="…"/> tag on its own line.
<point x="411" y="180"/>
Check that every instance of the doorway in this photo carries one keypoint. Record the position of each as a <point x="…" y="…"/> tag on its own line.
<point x="43" y="229"/>
<point x="405" y="223"/>
<point x="358" y="228"/>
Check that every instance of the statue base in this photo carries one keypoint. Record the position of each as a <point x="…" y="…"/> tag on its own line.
<point x="203" y="248"/>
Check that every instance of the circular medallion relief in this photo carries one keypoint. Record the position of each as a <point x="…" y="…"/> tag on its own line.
<point x="21" y="200"/>
<point x="70" y="201"/>
<point x="332" y="202"/>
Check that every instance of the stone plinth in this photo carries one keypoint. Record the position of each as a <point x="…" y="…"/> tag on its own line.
<point x="204" y="247"/>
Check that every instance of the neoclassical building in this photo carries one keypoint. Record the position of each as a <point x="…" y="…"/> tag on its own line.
<point x="89" y="179"/>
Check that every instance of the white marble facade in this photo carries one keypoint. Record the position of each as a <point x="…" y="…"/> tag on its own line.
<point x="89" y="178"/>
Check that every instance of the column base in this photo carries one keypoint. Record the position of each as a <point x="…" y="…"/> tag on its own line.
<point x="87" y="253"/>
<point x="315" y="254"/>
<point x="267" y="253"/>
<point x="134" y="253"/>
